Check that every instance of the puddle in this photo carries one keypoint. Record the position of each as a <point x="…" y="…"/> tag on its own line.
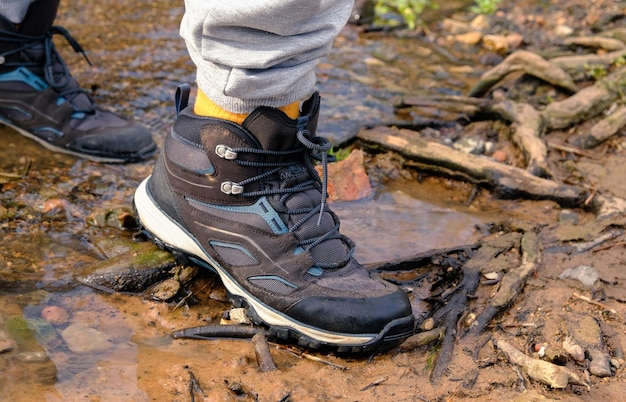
<point x="395" y="225"/>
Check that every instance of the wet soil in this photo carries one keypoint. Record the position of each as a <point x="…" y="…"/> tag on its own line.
<point x="49" y="234"/>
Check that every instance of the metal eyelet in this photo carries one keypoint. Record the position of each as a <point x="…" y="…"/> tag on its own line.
<point x="225" y="152"/>
<point x="229" y="187"/>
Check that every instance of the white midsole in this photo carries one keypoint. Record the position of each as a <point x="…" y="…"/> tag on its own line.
<point x="170" y="233"/>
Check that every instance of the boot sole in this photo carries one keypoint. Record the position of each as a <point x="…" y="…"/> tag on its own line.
<point x="169" y="235"/>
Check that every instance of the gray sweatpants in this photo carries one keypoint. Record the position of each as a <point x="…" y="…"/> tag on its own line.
<point x="251" y="53"/>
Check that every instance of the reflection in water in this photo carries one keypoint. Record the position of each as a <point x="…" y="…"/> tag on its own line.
<point x="85" y="353"/>
<point x="395" y="225"/>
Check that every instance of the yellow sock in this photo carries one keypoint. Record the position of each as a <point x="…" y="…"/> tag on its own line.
<point x="206" y="107"/>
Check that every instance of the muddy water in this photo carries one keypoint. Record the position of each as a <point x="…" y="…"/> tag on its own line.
<point x="44" y="238"/>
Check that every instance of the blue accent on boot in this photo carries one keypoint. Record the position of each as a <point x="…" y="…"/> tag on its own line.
<point x="24" y="75"/>
<point x="261" y="208"/>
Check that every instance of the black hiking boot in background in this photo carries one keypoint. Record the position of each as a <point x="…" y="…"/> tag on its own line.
<point x="246" y="202"/>
<point x="40" y="99"/>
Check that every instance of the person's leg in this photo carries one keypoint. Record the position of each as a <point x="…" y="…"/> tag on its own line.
<point x="40" y="99"/>
<point x="235" y="188"/>
<point x="14" y="10"/>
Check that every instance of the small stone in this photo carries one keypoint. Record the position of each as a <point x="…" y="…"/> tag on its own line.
<point x="616" y="363"/>
<point x="576" y="352"/>
<point x="600" y="365"/>
<point x="492" y="276"/>
<point x="428" y="324"/>
<point x="514" y="40"/>
<point x="469" y="319"/>
<point x="347" y="179"/>
<point x="496" y="43"/>
<point x="165" y="290"/>
<point x="500" y="156"/>
<point x="55" y="315"/>
<point x="563" y="30"/>
<point x="469" y="38"/>
<point x="569" y="216"/>
<point x="481" y="22"/>
<point x="469" y="145"/>
<point x="239" y="316"/>
<point x="585" y="274"/>
<point x="454" y="27"/>
<point x="82" y="339"/>
<point x="218" y="293"/>
<point x="53" y="204"/>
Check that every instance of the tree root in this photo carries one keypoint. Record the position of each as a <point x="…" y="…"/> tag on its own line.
<point x="455" y="305"/>
<point x="587" y="103"/>
<point x="529" y="63"/>
<point x="506" y="181"/>
<point x="604" y="129"/>
<point x="511" y="285"/>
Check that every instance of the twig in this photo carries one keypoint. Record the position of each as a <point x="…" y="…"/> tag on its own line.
<point x="608" y="246"/>
<point x="570" y="149"/>
<point x="310" y="357"/>
<point x="194" y="385"/>
<point x="180" y="303"/>
<point x="262" y="352"/>
<point x="539" y="370"/>
<point x="596" y="303"/>
<point x="375" y="383"/>
<point x="25" y="169"/>
<point x="522" y="381"/>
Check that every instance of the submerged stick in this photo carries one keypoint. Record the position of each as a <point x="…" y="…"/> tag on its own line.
<point x="217" y="332"/>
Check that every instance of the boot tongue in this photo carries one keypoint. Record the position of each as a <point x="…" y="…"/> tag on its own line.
<point x="275" y="130"/>
<point x="272" y="128"/>
<point x="39" y="17"/>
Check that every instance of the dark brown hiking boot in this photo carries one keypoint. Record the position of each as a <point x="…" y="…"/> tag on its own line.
<point x="246" y="202"/>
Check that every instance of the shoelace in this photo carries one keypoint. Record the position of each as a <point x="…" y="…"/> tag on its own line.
<point x="56" y="79"/>
<point x="311" y="146"/>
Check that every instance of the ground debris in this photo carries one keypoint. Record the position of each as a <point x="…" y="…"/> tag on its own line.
<point x="539" y="370"/>
<point x="510" y="286"/>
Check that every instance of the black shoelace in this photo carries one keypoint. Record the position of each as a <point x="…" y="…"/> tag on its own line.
<point x="310" y="147"/>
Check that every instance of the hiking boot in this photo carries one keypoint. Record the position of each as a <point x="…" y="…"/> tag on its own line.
<point x="40" y="99"/>
<point x="246" y="202"/>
